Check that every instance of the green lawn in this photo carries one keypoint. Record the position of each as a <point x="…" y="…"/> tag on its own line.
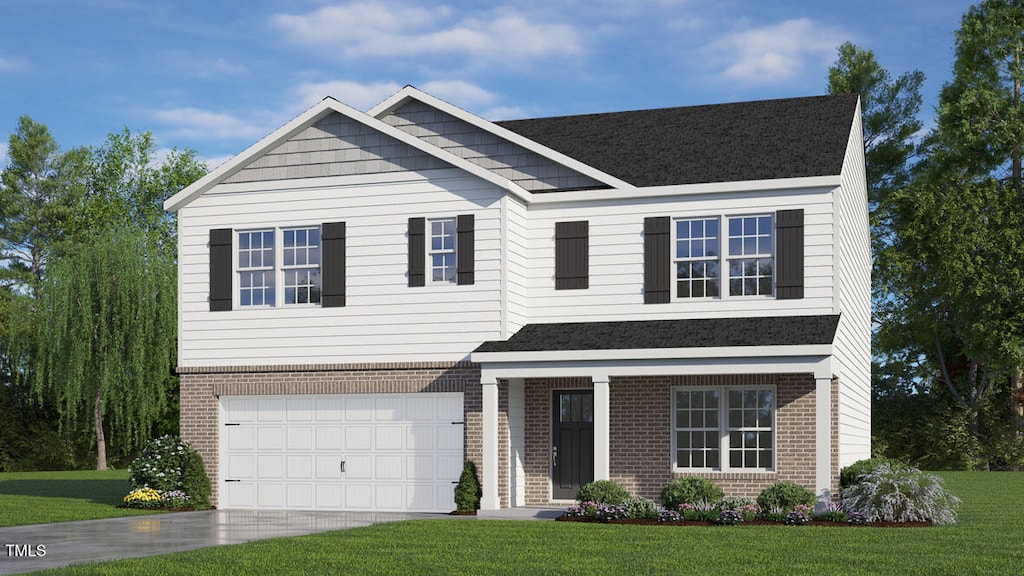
<point x="988" y="539"/>
<point x="44" y="497"/>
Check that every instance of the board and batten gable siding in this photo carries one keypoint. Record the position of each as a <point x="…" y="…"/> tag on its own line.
<point x="853" y="302"/>
<point x="528" y="169"/>
<point x="335" y="145"/>
<point x="383" y="319"/>
<point x="616" y="279"/>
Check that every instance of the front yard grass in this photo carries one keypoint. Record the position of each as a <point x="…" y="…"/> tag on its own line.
<point x="987" y="539"/>
<point x="44" y="497"/>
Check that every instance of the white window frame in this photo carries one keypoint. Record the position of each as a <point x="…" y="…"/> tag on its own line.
<point x="278" y="269"/>
<point x="724" y="429"/>
<point x="318" y="268"/>
<point x="757" y="255"/>
<point x="431" y="252"/>
<point x="723" y="258"/>
<point x="677" y="260"/>
<point x="239" y="270"/>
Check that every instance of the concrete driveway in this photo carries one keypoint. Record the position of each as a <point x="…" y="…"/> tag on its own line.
<point x="28" y="548"/>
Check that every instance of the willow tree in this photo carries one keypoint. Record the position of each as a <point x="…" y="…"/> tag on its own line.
<point x="110" y="337"/>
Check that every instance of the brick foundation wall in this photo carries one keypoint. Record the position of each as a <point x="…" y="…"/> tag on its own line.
<point x="202" y="387"/>
<point x="640" y="429"/>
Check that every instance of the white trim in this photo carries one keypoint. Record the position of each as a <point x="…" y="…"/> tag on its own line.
<point x="490" y="499"/>
<point x="602" y="427"/>
<point x="711" y="352"/>
<point x="724" y="429"/>
<point x="411" y="93"/>
<point x="820" y="366"/>
<point x="823" y="440"/>
<point x="826" y="183"/>
<point x="307" y="118"/>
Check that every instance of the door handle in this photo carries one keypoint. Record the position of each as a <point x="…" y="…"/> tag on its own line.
<point x="554" y="455"/>
<point x="342" y="466"/>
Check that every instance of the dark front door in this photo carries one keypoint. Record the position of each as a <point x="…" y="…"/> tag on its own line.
<point x="572" y="442"/>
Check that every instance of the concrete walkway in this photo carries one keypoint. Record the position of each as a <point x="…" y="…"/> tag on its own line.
<point x="68" y="543"/>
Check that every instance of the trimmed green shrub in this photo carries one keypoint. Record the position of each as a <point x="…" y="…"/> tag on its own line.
<point x="851" y="474"/>
<point x="195" y="483"/>
<point x="603" y="492"/>
<point x="901" y="494"/>
<point x="690" y="490"/>
<point x="468" y="491"/>
<point x="783" y="496"/>
<point x="638" y="507"/>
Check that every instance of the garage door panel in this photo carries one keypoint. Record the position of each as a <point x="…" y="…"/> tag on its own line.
<point x="401" y="451"/>
<point x="269" y="438"/>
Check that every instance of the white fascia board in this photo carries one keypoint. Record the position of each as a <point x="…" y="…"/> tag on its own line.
<point x="822" y="182"/>
<point x="307" y="118"/>
<point x="410" y="92"/>
<point x="819" y="366"/>
<point x="652" y="354"/>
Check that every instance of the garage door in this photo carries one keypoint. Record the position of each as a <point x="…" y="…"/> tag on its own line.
<point x="386" y="452"/>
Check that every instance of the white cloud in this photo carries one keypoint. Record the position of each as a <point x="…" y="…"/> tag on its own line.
<point x="504" y="113"/>
<point x="221" y="67"/>
<point x="196" y="123"/>
<point x="359" y="96"/>
<point x="460" y="93"/>
<point x="389" y="29"/>
<point x="775" y="53"/>
<point x="10" y="64"/>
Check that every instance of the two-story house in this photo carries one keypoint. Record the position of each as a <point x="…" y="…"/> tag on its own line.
<point x="368" y="299"/>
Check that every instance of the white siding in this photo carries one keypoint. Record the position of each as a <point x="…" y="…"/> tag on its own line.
<point x="384" y="320"/>
<point x="853" y="289"/>
<point x="617" y="258"/>
<point x="517" y="260"/>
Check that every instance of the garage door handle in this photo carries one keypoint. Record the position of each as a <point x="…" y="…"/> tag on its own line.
<point x="232" y="480"/>
<point x="342" y="466"/>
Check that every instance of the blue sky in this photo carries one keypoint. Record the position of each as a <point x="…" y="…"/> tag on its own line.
<point x="217" y="76"/>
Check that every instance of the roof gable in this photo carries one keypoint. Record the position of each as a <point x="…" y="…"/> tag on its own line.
<point x="762" y="140"/>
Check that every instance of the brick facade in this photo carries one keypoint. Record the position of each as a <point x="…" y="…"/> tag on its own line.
<point x="202" y="387"/>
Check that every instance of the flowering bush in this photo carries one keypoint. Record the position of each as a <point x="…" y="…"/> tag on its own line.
<point x="599" y="511"/>
<point x="168" y="464"/>
<point x="833" y="513"/>
<point x="638" y="507"/>
<point x="730" y="517"/>
<point x="702" y="511"/>
<point x="795" y="518"/>
<point x="784" y="495"/>
<point x="858" y="519"/>
<point x="143" y="498"/>
<point x="175" y="499"/>
<point x="899" y="494"/>
<point x="669" y="516"/>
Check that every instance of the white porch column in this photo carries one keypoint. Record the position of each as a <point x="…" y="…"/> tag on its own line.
<point x="823" y="439"/>
<point x="517" y="441"/>
<point x="489" y="499"/>
<point x="602" y="428"/>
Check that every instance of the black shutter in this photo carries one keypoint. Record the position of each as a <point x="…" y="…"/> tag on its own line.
<point x="657" y="260"/>
<point x="332" y="266"/>
<point x="789" y="254"/>
<point x="572" y="255"/>
<point x="417" y="252"/>
<point x="464" y="256"/>
<point x="220" y="269"/>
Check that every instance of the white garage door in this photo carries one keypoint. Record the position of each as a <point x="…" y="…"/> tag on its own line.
<point x="385" y="452"/>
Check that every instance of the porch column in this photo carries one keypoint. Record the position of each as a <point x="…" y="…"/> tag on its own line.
<point x="489" y="499"/>
<point x="517" y="441"/>
<point x="602" y="428"/>
<point x="823" y="440"/>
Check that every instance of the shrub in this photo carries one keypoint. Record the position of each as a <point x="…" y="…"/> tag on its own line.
<point x="784" y="496"/>
<point x="747" y="507"/>
<point x="161" y="465"/>
<point x="143" y="498"/>
<point x="901" y="494"/>
<point x="851" y="474"/>
<point x="669" y="516"/>
<point x="730" y="517"/>
<point x="599" y="511"/>
<point x="195" y="483"/>
<point x="796" y="518"/>
<point x="690" y="490"/>
<point x="638" y="507"/>
<point x="702" y="511"/>
<point x="603" y="492"/>
<point x="833" y="513"/>
<point x="858" y="519"/>
<point x="175" y="499"/>
<point x="468" y="491"/>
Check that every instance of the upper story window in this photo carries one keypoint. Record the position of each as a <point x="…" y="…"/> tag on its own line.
<point x="271" y="277"/>
<point x="441" y="255"/>
<point x="743" y="260"/>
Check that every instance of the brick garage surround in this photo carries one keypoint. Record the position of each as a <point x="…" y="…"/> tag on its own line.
<point x="640" y="428"/>
<point x="202" y="387"/>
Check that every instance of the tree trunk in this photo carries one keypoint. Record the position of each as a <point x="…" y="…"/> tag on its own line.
<point x="101" y="442"/>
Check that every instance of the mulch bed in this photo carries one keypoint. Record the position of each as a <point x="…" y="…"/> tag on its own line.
<point x="756" y="522"/>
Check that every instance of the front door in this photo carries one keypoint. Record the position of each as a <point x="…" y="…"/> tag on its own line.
<point x="572" y="442"/>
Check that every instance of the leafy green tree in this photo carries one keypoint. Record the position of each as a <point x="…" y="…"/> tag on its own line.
<point x="889" y="109"/>
<point x="110" y="341"/>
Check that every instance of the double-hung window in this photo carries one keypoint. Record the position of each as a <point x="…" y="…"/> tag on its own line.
<point x="268" y="276"/>
<point x="441" y="256"/>
<point x="742" y="260"/>
<point x="724" y="428"/>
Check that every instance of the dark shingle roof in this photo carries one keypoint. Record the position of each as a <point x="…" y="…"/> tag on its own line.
<point x="761" y="140"/>
<point x="693" y="333"/>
